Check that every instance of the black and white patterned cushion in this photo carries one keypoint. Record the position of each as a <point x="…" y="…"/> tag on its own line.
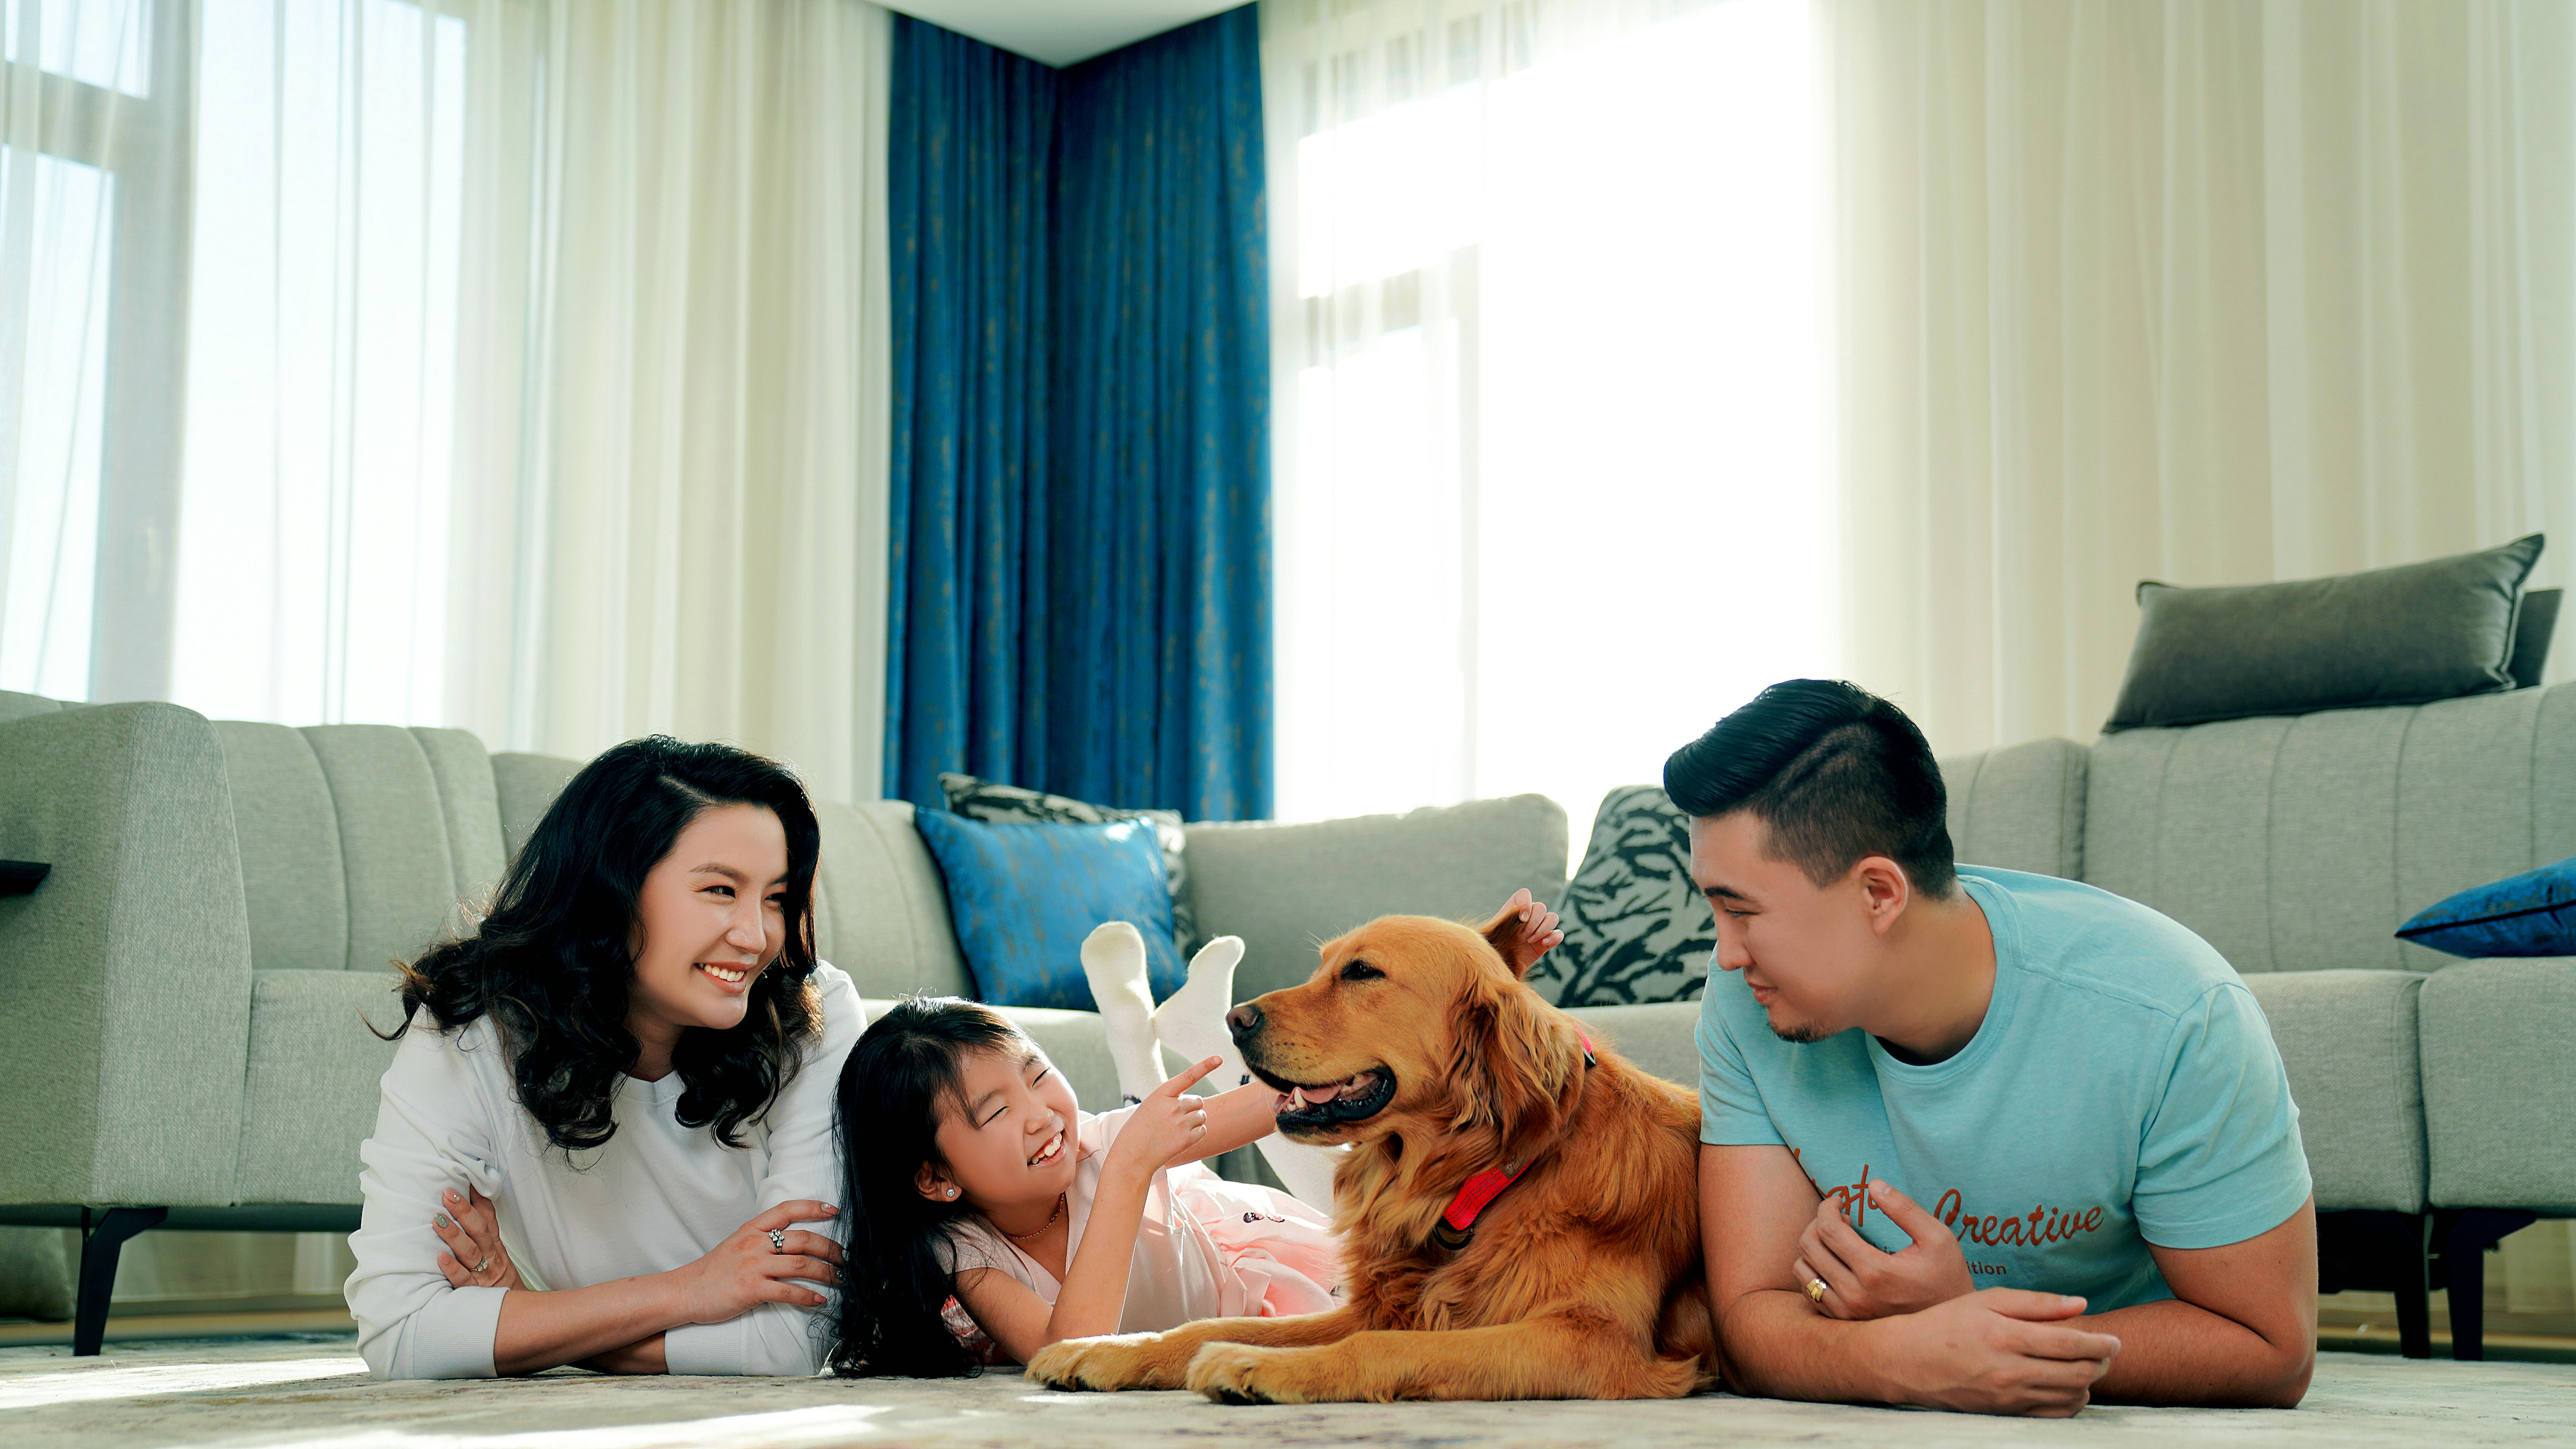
<point x="1011" y="805"/>
<point x="1636" y="929"/>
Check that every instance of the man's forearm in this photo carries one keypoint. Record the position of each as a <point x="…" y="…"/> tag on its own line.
<point x="1775" y="1345"/>
<point x="2174" y="1352"/>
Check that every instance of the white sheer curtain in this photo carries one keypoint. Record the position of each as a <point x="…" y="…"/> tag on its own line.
<point x="1545" y="320"/>
<point x="2210" y="293"/>
<point x="674" y="479"/>
<point x="516" y="364"/>
<point x="2205" y="292"/>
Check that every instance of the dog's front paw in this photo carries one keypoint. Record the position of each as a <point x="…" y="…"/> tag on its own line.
<point x="1241" y="1373"/>
<point x="1116" y="1361"/>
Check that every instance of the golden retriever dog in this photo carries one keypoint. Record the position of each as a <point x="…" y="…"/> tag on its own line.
<point x="1419" y="1043"/>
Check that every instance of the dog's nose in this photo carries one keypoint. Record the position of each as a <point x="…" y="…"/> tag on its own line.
<point x="1243" y="1021"/>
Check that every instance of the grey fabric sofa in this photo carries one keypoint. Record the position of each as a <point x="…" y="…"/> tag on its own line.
<point x="227" y="898"/>
<point x="184" y="1000"/>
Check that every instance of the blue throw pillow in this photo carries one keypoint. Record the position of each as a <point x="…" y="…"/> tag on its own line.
<point x="1023" y="897"/>
<point x="2531" y="914"/>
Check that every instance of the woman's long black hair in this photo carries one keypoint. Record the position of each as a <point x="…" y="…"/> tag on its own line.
<point x="553" y="962"/>
<point x="898" y="1082"/>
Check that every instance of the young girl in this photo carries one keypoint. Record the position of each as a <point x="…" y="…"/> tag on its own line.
<point x="988" y="1216"/>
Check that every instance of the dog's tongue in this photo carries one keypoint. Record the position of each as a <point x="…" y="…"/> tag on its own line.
<point x="1323" y="1094"/>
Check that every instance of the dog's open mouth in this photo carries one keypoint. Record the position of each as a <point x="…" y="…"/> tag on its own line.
<point x="1354" y="1098"/>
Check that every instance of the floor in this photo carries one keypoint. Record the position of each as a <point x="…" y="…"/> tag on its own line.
<point x="312" y="1389"/>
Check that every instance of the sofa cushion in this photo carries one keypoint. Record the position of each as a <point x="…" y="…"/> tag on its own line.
<point x="292" y="878"/>
<point x="1024" y="898"/>
<point x="1636" y="929"/>
<point x="524" y="786"/>
<point x="2348" y="1042"/>
<point x="2020" y="807"/>
<point x="1078" y="1045"/>
<point x="2531" y="914"/>
<point x="880" y="912"/>
<point x="2302" y="844"/>
<point x="2406" y="635"/>
<point x="311" y="1093"/>
<point x="416" y="793"/>
<point x="2499" y="1072"/>
<point x="1286" y="889"/>
<point x="1659" y="1038"/>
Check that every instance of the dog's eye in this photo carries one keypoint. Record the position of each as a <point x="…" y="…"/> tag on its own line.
<point x="1362" y="971"/>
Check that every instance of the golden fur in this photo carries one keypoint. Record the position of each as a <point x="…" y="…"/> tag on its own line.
<point x="1583" y="1279"/>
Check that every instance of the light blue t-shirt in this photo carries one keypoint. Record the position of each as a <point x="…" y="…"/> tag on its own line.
<point x="2122" y="1090"/>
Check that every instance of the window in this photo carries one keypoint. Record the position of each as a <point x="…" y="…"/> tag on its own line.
<point x="93" y="228"/>
<point x="238" y="282"/>
<point x="1547" y="317"/>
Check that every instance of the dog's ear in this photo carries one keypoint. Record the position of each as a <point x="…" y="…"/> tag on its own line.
<point x="1512" y="1074"/>
<point x="1503" y="933"/>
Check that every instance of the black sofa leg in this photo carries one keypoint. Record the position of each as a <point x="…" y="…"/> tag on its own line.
<point x="102" y="1239"/>
<point x="2381" y="1252"/>
<point x="2414" y="1316"/>
<point x="2464" y="1238"/>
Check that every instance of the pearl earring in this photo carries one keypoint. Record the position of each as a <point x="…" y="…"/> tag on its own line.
<point x="952" y="1192"/>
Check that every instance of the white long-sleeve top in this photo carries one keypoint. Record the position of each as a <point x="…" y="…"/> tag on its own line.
<point x="658" y="1196"/>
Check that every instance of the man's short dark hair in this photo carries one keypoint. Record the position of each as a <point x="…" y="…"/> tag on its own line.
<point x="1837" y="773"/>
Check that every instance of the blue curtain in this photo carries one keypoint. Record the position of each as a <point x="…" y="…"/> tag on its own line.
<point x="1081" y="471"/>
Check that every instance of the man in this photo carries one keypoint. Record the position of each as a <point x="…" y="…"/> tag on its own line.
<point x="1971" y="1139"/>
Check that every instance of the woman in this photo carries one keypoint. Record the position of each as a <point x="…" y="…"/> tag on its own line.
<point x="633" y="1054"/>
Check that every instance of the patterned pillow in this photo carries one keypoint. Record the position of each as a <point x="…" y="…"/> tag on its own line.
<point x="1636" y="929"/>
<point x="1010" y="805"/>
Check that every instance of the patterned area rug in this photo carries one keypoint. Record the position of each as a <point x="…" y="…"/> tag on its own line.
<point x="313" y="1390"/>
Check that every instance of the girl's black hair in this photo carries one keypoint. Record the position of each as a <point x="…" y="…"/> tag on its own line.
<point x="898" y="1082"/>
<point x="554" y="961"/>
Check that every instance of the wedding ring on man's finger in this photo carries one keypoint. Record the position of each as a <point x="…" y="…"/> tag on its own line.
<point x="1816" y="1291"/>
<point x="778" y="1240"/>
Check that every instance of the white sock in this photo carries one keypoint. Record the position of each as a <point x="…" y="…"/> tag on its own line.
<point x="1113" y="961"/>
<point x="1191" y="1021"/>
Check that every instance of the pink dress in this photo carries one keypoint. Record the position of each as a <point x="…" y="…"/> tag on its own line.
<point x="1208" y="1248"/>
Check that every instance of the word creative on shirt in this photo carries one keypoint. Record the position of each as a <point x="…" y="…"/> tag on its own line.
<point x="2041" y="1226"/>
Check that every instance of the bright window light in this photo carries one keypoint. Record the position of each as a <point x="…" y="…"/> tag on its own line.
<point x="1552" y="496"/>
<point x="322" y="363"/>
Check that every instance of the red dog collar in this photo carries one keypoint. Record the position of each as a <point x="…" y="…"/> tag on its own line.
<point x="1457" y="1225"/>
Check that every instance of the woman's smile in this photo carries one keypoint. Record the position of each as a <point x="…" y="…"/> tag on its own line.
<point x="733" y="979"/>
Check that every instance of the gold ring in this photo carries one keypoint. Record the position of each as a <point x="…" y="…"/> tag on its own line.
<point x="1816" y="1291"/>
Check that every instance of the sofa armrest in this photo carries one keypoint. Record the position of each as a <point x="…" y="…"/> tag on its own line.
<point x="125" y="979"/>
<point x="2499" y="1072"/>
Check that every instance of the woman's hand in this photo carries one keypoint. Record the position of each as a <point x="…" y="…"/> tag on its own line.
<point x="472" y="1232"/>
<point x="1524" y="931"/>
<point x="753" y="1267"/>
<point x="1165" y="1125"/>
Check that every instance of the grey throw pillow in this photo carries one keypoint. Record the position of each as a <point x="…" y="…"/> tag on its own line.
<point x="2531" y="630"/>
<point x="1636" y="929"/>
<point x="2405" y="635"/>
<point x="1011" y="805"/>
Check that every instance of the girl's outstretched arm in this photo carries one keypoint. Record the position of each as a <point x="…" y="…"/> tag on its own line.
<point x="1235" y="1119"/>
